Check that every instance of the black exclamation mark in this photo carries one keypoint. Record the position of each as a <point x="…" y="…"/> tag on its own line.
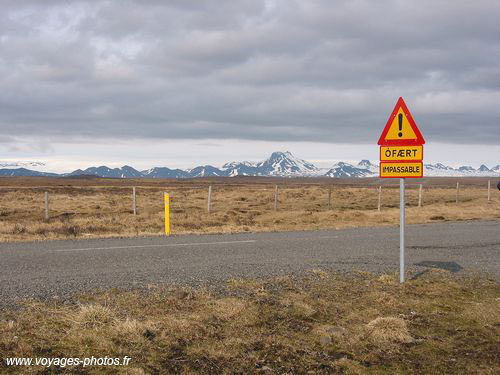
<point x="400" y="120"/>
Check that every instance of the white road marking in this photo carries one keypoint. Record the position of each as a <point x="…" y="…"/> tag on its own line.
<point x="163" y="245"/>
<point x="193" y="244"/>
<point x="298" y="239"/>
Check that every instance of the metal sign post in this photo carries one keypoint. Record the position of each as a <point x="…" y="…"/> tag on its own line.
<point x="401" y="156"/>
<point x="401" y="230"/>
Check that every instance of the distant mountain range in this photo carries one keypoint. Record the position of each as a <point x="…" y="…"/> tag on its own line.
<point x="20" y="164"/>
<point x="279" y="164"/>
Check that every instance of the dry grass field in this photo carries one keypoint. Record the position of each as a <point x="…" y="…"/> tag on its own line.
<point x="321" y="324"/>
<point x="86" y="208"/>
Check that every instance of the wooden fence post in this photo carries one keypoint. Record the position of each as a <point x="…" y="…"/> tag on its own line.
<point x="456" y="200"/>
<point x="134" y="202"/>
<point x="420" y="196"/>
<point x="379" y="206"/>
<point x="209" y="197"/>
<point x="46" y="205"/>
<point x="489" y="190"/>
<point x="276" y="198"/>
<point x="330" y="197"/>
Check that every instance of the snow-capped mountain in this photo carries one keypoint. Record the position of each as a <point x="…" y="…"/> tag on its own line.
<point x="279" y="164"/>
<point x="285" y="164"/>
<point x="367" y="164"/>
<point x="439" y="169"/>
<point x="206" y="171"/>
<point x="463" y="169"/>
<point x="243" y="168"/>
<point x="342" y="169"/>
<point x="103" y="171"/>
<point x="164" y="172"/>
<point x="23" y="172"/>
<point x="21" y="164"/>
<point x="282" y="164"/>
<point x="442" y="170"/>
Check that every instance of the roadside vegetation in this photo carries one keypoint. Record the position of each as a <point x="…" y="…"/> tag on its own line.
<point x="322" y="323"/>
<point x="81" y="210"/>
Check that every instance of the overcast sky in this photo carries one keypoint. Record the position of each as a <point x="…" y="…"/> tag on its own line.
<point x="184" y="82"/>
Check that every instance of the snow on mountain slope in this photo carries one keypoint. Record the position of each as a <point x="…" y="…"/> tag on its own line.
<point x="128" y="172"/>
<point x="367" y="164"/>
<point x="21" y="164"/>
<point x="484" y="168"/>
<point x="283" y="164"/>
<point x="286" y="165"/>
<point x="23" y="172"/>
<point x="206" y="171"/>
<point x="243" y="168"/>
<point x="345" y="170"/>
<point x="441" y="170"/>
<point x="164" y="172"/>
<point x="106" y="172"/>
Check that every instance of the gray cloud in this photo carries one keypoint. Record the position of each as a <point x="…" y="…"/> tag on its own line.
<point x="281" y="70"/>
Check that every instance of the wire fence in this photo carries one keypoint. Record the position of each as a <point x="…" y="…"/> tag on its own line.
<point x="68" y="201"/>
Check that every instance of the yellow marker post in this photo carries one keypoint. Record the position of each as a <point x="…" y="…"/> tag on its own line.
<point x="167" y="214"/>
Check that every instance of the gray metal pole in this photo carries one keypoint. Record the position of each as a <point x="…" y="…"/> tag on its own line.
<point x="209" y="197"/>
<point x="276" y="198"/>
<point x="134" y="205"/>
<point x="330" y="198"/>
<point x="456" y="198"/>
<point x="46" y="205"/>
<point x="379" y="206"/>
<point x="401" y="230"/>
<point x="489" y="190"/>
<point x="420" y="196"/>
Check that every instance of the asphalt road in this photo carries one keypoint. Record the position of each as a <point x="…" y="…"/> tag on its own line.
<point x="58" y="269"/>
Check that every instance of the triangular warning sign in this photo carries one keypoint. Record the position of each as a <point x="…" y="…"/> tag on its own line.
<point x="401" y="129"/>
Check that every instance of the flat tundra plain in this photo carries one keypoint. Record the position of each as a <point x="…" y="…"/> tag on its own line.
<point x="276" y="309"/>
<point x="94" y="207"/>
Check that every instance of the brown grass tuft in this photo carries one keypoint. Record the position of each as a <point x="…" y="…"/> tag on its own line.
<point x="228" y="308"/>
<point x="388" y="330"/>
<point x="92" y="315"/>
<point x="389" y="279"/>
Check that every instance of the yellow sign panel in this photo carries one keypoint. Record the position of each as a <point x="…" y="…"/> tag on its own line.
<point x="401" y="153"/>
<point x="401" y="170"/>
<point x="400" y="128"/>
<point x="167" y="214"/>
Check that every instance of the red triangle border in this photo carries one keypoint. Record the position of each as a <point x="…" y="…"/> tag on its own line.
<point x="413" y="142"/>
